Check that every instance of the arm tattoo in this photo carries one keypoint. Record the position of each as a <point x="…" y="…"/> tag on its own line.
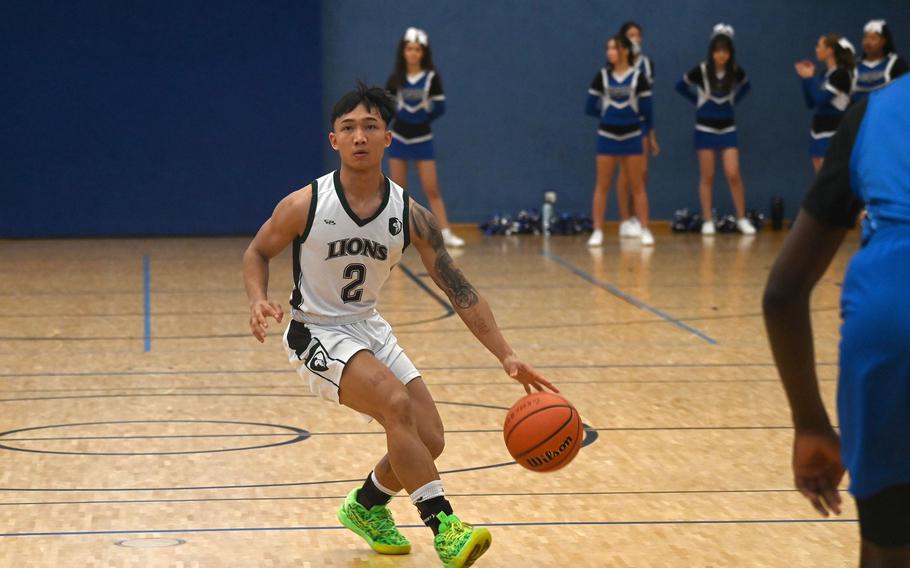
<point x="451" y="279"/>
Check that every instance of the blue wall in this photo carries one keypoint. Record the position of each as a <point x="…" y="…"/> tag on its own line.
<point x="516" y="74"/>
<point x="149" y="118"/>
<point x="174" y="117"/>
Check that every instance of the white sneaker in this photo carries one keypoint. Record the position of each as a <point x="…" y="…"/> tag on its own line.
<point x="707" y="228"/>
<point x="451" y="239"/>
<point x="647" y="239"/>
<point x="597" y="238"/>
<point x="630" y="228"/>
<point x="745" y="226"/>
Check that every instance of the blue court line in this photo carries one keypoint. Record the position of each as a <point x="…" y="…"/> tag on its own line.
<point x="514" y="524"/>
<point x="622" y="295"/>
<point x="147" y="303"/>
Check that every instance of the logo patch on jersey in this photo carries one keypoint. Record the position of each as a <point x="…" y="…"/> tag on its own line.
<point x="394" y="225"/>
<point x="317" y="360"/>
<point x="357" y="247"/>
<point x="328" y="221"/>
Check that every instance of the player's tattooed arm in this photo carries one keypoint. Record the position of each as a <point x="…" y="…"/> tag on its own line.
<point x="449" y="277"/>
<point x="469" y="304"/>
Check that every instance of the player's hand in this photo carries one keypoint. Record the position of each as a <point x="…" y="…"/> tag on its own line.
<point x="526" y="375"/>
<point x="655" y="147"/>
<point x="817" y="469"/>
<point x="805" y="68"/>
<point x="260" y="311"/>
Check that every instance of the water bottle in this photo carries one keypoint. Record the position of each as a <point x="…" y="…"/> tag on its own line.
<point x="777" y="213"/>
<point x="547" y="211"/>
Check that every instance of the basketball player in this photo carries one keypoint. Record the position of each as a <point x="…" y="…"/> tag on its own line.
<point x="829" y="94"/>
<point x="417" y="88"/>
<point x="620" y="96"/>
<point x="880" y="63"/>
<point x="629" y="226"/>
<point x="719" y="84"/>
<point x="348" y="229"/>
<point x="868" y="163"/>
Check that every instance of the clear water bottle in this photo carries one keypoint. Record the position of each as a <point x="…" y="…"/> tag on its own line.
<point x="548" y="211"/>
<point x="777" y="213"/>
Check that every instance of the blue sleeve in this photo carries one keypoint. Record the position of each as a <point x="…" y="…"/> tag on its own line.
<point x="439" y="109"/>
<point x="592" y="107"/>
<point x="646" y="111"/>
<point x="815" y="95"/>
<point x="683" y="88"/>
<point x="742" y="91"/>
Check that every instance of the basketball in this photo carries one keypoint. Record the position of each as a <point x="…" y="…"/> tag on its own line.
<point x="543" y="431"/>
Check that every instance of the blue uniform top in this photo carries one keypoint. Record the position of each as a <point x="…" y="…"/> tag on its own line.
<point x="829" y="95"/>
<point x="868" y="163"/>
<point x="880" y="160"/>
<point x="622" y="102"/>
<point x="714" y="97"/>
<point x="645" y="66"/>
<point x="873" y="75"/>
<point x="420" y="102"/>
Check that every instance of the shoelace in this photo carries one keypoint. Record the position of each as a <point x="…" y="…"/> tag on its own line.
<point x="378" y="524"/>
<point x="453" y="532"/>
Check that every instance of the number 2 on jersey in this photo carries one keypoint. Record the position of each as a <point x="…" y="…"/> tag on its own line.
<point x="353" y="292"/>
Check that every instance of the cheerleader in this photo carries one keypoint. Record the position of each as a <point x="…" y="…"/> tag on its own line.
<point x="620" y="96"/>
<point x="418" y="89"/>
<point x="629" y="225"/>
<point x="715" y="86"/>
<point x="829" y="95"/>
<point x="880" y="63"/>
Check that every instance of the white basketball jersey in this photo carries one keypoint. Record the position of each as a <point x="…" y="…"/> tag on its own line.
<point x="342" y="261"/>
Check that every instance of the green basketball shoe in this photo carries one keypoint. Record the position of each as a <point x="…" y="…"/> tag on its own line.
<point x="376" y="526"/>
<point x="459" y="544"/>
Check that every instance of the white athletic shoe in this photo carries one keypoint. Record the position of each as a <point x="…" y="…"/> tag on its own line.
<point x="451" y="239"/>
<point x="597" y="238"/>
<point x="707" y="228"/>
<point x="745" y="226"/>
<point x="630" y="228"/>
<point x="647" y="239"/>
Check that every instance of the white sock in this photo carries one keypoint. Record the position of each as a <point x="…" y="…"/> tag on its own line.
<point x="428" y="491"/>
<point x="380" y="486"/>
<point x="446" y="232"/>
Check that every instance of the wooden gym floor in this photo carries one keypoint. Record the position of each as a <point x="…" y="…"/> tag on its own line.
<point x="141" y="425"/>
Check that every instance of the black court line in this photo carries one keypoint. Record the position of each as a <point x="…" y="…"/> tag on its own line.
<point x="432" y="293"/>
<point x="449" y="313"/>
<point x="625" y="297"/>
<point x="501" y="524"/>
<point x="340" y="497"/>
<point x="427" y="368"/>
<point x="378" y="433"/>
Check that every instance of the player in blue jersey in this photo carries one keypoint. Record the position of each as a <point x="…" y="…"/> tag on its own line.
<point x="868" y="163"/>
<point x="417" y="87"/>
<point x="620" y="96"/>
<point x="715" y="86"/>
<point x="629" y="225"/>
<point x="829" y="94"/>
<point x="880" y="63"/>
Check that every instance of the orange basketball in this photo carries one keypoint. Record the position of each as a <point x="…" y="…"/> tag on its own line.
<point x="543" y="431"/>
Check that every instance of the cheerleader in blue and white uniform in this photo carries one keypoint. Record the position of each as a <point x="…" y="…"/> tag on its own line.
<point x="629" y="225"/>
<point x="880" y="63"/>
<point x="417" y="87"/>
<point x="829" y="94"/>
<point x="620" y="96"/>
<point x="716" y="86"/>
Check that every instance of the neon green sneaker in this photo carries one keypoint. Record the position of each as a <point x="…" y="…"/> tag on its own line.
<point x="459" y="544"/>
<point x="376" y="526"/>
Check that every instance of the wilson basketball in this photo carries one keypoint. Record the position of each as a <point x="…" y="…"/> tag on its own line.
<point x="543" y="431"/>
